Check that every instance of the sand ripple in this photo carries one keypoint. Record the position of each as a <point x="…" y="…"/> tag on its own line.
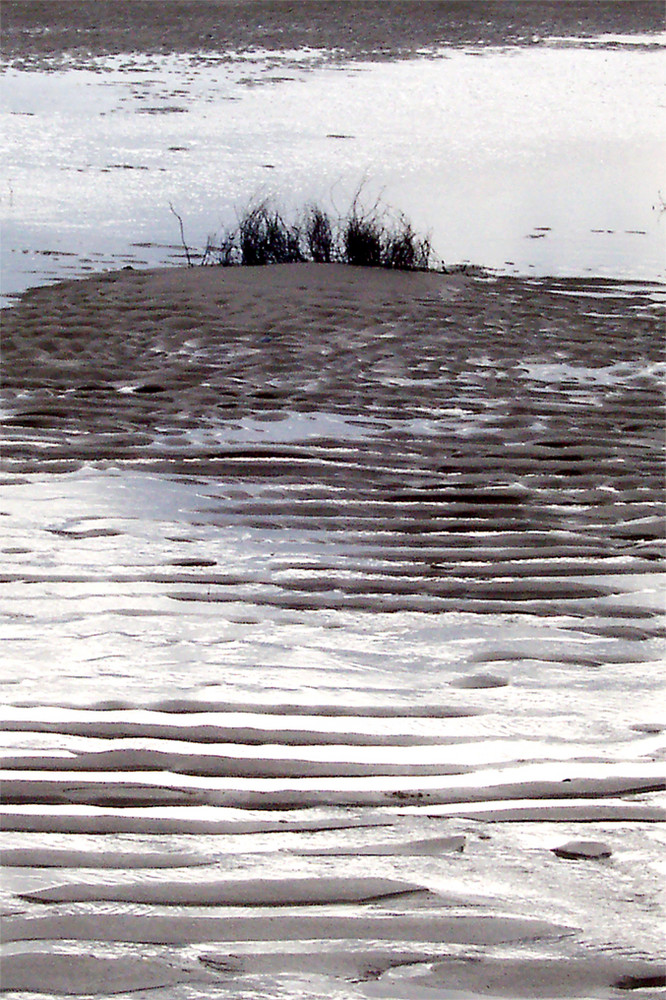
<point x="411" y="528"/>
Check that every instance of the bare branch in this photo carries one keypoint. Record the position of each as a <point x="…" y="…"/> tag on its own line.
<point x="182" y="236"/>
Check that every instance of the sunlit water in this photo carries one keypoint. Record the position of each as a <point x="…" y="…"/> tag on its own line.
<point x="546" y="159"/>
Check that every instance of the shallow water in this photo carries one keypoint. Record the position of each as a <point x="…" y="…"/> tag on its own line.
<point x="544" y="159"/>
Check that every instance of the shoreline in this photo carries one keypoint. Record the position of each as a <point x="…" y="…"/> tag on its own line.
<point x="654" y="286"/>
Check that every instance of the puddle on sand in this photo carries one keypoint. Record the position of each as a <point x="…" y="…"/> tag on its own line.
<point x="282" y="428"/>
<point x="618" y="374"/>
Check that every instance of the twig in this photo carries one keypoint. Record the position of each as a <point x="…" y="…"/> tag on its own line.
<point x="182" y="236"/>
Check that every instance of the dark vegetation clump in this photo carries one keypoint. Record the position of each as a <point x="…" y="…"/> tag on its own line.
<point x="320" y="240"/>
<point x="404" y="250"/>
<point x="362" y="239"/>
<point x="265" y="238"/>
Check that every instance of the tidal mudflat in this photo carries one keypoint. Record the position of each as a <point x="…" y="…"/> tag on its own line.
<point x="332" y="598"/>
<point x="333" y="635"/>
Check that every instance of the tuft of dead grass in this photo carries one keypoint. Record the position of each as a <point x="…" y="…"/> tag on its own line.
<point x="370" y="238"/>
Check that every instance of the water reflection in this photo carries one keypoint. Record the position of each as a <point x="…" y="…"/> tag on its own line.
<point x="544" y="159"/>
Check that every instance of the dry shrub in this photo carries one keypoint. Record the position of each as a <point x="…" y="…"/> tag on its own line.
<point x="362" y="239"/>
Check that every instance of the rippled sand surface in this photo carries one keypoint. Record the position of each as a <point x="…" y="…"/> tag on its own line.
<point x="333" y="635"/>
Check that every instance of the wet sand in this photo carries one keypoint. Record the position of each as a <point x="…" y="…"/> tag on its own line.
<point x="138" y="364"/>
<point x="433" y="447"/>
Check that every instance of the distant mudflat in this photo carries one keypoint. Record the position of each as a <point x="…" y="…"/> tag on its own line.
<point x="45" y="33"/>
